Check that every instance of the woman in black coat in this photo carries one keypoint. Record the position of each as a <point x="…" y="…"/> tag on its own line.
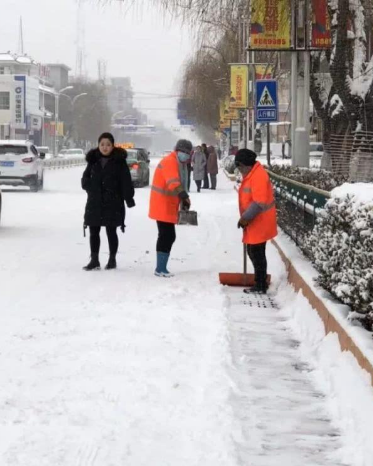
<point x="108" y="183"/>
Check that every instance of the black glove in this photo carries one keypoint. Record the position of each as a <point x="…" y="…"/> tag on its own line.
<point x="130" y="203"/>
<point x="185" y="204"/>
<point x="183" y="195"/>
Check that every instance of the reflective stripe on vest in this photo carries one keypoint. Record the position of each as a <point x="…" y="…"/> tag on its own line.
<point x="173" y="180"/>
<point x="164" y="191"/>
<point x="246" y="190"/>
<point x="265" y="206"/>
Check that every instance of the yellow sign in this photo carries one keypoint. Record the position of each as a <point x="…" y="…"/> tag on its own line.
<point x="263" y="72"/>
<point x="239" y="79"/>
<point x="227" y="114"/>
<point x="126" y="145"/>
<point x="270" y="24"/>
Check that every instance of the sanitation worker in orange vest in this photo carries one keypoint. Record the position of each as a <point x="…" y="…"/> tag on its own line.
<point x="258" y="214"/>
<point x="168" y="193"/>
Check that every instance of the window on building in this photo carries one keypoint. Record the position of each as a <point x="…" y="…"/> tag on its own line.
<point x="4" y="100"/>
<point x="2" y="70"/>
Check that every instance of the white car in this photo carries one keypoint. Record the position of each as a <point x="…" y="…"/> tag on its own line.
<point x="21" y="165"/>
<point x="316" y="149"/>
<point x="45" y="150"/>
<point x="74" y="153"/>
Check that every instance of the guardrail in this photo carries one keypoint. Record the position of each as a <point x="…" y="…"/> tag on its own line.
<point x="64" y="163"/>
<point x="298" y="206"/>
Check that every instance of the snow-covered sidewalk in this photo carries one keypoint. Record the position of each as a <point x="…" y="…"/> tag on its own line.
<point x="123" y="368"/>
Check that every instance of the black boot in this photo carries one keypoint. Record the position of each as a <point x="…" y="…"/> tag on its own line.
<point x="112" y="263"/>
<point x="94" y="263"/>
<point x="257" y="288"/>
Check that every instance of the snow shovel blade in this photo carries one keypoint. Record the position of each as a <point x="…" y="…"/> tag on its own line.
<point x="239" y="279"/>
<point x="188" y="217"/>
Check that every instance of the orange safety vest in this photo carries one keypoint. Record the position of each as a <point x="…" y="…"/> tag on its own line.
<point x="257" y="187"/>
<point x="164" y="199"/>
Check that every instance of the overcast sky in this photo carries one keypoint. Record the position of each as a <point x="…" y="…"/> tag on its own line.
<point x="139" y="42"/>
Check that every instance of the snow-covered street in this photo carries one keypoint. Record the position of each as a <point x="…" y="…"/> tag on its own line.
<point x="120" y="367"/>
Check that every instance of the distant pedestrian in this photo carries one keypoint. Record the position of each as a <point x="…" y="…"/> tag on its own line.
<point x="108" y="183"/>
<point x="206" y="183"/>
<point x="199" y="167"/>
<point x="212" y="166"/>
<point x="168" y="194"/>
<point x="258" y="214"/>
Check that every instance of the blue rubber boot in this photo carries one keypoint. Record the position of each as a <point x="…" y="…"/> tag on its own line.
<point x="161" y="269"/>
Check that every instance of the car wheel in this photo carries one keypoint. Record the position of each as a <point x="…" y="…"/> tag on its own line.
<point x="34" y="188"/>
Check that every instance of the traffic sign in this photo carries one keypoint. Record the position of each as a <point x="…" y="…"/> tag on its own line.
<point x="266" y="108"/>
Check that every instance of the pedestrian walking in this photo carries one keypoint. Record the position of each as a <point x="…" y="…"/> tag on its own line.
<point x="258" y="214"/>
<point x="199" y="167"/>
<point x="212" y="166"/>
<point x="206" y="183"/>
<point x="168" y="194"/>
<point x="108" y="183"/>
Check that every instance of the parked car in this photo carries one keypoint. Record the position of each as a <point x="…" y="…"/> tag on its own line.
<point x="316" y="149"/>
<point x="144" y="152"/>
<point x="62" y="153"/>
<point x="45" y="150"/>
<point x="21" y="164"/>
<point x="138" y="163"/>
<point x="74" y="153"/>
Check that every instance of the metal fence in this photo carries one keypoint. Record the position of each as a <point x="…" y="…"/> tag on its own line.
<point x="64" y="163"/>
<point x="298" y="206"/>
<point x="350" y="156"/>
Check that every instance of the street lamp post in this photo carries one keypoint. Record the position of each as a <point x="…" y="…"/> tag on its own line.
<point x="56" y="116"/>
<point x="73" y="99"/>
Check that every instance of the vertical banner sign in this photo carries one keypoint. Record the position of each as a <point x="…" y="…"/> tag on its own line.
<point x="321" y="36"/>
<point x="224" y="123"/>
<point x="239" y="86"/>
<point x="20" y="102"/>
<point x="270" y="24"/>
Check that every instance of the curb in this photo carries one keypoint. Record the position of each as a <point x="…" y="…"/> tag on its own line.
<point x="331" y="325"/>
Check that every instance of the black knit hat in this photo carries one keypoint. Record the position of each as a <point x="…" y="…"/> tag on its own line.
<point x="106" y="136"/>
<point x="245" y="157"/>
<point x="183" y="145"/>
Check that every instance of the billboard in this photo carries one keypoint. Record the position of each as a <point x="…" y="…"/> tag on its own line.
<point x="270" y="26"/>
<point x="321" y="35"/>
<point x="239" y="86"/>
<point x="227" y="113"/>
<point x="20" y="102"/>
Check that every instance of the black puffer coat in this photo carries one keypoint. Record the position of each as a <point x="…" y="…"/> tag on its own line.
<point x="107" y="189"/>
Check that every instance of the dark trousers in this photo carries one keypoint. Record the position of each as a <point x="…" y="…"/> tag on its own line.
<point x="257" y="254"/>
<point x="94" y="239"/>
<point x="166" y="236"/>
<point x="189" y="166"/>
<point x="206" y="182"/>
<point x="199" y="184"/>
<point x="213" y="181"/>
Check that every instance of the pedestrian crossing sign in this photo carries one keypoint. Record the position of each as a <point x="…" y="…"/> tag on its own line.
<point x="266" y="108"/>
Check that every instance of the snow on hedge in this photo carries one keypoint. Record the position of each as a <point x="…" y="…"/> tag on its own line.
<point x="341" y="247"/>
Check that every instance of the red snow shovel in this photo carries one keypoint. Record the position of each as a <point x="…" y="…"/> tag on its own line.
<point x="240" y="279"/>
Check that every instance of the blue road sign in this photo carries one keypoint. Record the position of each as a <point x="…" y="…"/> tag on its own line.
<point x="266" y="102"/>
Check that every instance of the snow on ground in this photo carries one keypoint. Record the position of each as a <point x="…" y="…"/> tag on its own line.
<point x="121" y="367"/>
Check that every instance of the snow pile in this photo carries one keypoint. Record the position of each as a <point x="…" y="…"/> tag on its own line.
<point x="341" y="247"/>
<point x="337" y="374"/>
